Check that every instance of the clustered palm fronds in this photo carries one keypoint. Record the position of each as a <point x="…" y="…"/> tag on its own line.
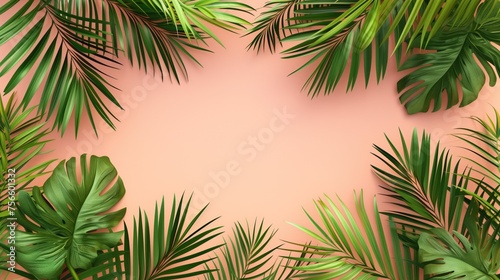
<point x="77" y="43"/>
<point x="343" y="37"/>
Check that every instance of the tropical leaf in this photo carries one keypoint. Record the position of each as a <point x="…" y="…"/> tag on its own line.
<point x="64" y="225"/>
<point x="332" y="33"/>
<point x="154" y="32"/>
<point x="22" y="142"/>
<point x="444" y="258"/>
<point x="451" y="62"/>
<point x="272" y="25"/>
<point x="107" y="265"/>
<point x="193" y="15"/>
<point x="77" y="43"/>
<point x="284" y="269"/>
<point x="348" y="249"/>
<point x="69" y="61"/>
<point x="484" y="143"/>
<point x="176" y="251"/>
<point x="425" y="185"/>
<point x="246" y="255"/>
<point x="483" y="146"/>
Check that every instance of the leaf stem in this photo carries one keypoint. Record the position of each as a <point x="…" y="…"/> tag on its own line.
<point x="72" y="270"/>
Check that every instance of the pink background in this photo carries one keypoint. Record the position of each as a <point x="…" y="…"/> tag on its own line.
<point x="171" y="138"/>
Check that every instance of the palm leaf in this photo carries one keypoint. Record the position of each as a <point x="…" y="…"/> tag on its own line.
<point x="191" y="15"/>
<point x="69" y="62"/>
<point x="444" y="257"/>
<point x="349" y="248"/>
<point x="271" y="26"/>
<point x="154" y="32"/>
<point x="173" y="251"/>
<point x="246" y="255"/>
<point x="332" y="33"/>
<point x="22" y="141"/>
<point x="62" y="226"/>
<point x="483" y="145"/>
<point x="76" y="63"/>
<point x="284" y="269"/>
<point x="421" y="182"/>
<point x="452" y="62"/>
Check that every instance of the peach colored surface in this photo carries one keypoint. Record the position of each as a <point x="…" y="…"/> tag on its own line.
<point x="178" y="138"/>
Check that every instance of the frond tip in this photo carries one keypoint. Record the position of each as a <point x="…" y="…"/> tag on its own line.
<point x="347" y="248"/>
<point x="169" y="250"/>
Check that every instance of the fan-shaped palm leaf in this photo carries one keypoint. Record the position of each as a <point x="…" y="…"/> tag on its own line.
<point x="63" y="226"/>
<point x="348" y="249"/>
<point x="172" y="252"/>
<point x="246" y="255"/>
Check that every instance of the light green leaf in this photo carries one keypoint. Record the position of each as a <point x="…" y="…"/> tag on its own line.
<point x="444" y="258"/>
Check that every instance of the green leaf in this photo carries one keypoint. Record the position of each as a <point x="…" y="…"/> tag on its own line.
<point x="176" y="249"/>
<point x="456" y="33"/>
<point x="22" y="145"/>
<point x="444" y="258"/>
<point x="64" y="225"/>
<point x="450" y="62"/>
<point x="349" y="247"/>
<point x="246" y="254"/>
<point x="422" y="180"/>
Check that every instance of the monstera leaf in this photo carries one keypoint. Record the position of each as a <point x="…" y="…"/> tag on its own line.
<point x="69" y="223"/>
<point x="443" y="258"/>
<point x="452" y="61"/>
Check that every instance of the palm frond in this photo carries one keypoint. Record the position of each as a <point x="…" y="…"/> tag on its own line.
<point x="271" y="26"/>
<point x="483" y="145"/>
<point x="173" y="251"/>
<point x="22" y="141"/>
<point x="421" y="182"/>
<point x="347" y="249"/>
<point x="69" y="62"/>
<point x="332" y="33"/>
<point x="456" y="256"/>
<point x="194" y="14"/>
<point x="76" y="43"/>
<point x="284" y="269"/>
<point x="154" y="32"/>
<point x="246" y="254"/>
